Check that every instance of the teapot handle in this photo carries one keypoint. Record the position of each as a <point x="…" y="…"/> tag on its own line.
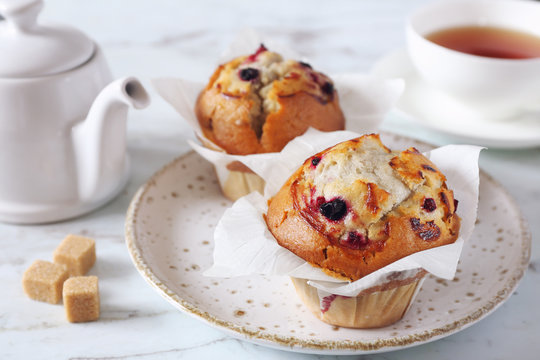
<point x="20" y="14"/>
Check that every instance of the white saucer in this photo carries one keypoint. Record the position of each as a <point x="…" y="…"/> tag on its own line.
<point x="438" y="111"/>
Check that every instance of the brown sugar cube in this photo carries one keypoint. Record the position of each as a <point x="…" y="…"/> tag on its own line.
<point x="43" y="281"/>
<point x="81" y="298"/>
<point x="78" y="253"/>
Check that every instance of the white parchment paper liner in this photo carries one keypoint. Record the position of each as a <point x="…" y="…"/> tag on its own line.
<point x="245" y="246"/>
<point x="364" y="99"/>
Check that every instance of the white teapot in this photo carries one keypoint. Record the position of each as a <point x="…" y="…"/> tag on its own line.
<point x="62" y="120"/>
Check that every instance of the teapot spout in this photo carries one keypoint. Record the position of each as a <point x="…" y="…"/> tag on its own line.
<point x="100" y="140"/>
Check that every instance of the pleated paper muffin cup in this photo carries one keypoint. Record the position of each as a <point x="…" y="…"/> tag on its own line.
<point x="377" y="299"/>
<point x="235" y="178"/>
<point x="374" y="307"/>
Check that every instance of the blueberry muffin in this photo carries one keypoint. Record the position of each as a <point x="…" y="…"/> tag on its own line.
<point x="357" y="207"/>
<point x="258" y="103"/>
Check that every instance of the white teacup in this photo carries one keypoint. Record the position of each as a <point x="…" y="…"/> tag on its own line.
<point x="500" y="85"/>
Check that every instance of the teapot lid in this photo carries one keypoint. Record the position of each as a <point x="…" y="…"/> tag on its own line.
<point x="30" y="49"/>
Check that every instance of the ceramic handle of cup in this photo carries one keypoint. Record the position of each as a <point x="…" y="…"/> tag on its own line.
<point x="21" y="15"/>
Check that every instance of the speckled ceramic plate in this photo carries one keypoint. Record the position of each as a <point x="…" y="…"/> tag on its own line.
<point x="169" y="234"/>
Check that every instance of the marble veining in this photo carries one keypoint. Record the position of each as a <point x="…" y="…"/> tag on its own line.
<point x="179" y="38"/>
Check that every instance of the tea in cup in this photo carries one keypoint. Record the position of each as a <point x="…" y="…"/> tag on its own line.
<point x="484" y="53"/>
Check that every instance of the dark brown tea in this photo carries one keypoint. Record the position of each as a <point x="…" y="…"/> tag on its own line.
<point x="488" y="41"/>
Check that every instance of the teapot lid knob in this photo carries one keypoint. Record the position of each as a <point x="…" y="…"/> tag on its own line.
<point x="21" y="14"/>
<point x="31" y="49"/>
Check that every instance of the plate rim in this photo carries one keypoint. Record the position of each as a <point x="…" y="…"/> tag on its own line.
<point x="293" y="343"/>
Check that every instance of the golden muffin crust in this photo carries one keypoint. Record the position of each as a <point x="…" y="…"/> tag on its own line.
<point x="258" y="103"/>
<point x="358" y="206"/>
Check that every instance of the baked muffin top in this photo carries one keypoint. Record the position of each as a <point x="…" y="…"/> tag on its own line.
<point x="262" y="89"/>
<point x="269" y="76"/>
<point x="364" y="206"/>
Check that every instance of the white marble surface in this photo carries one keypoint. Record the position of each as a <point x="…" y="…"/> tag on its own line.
<point x="179" y="38"/>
